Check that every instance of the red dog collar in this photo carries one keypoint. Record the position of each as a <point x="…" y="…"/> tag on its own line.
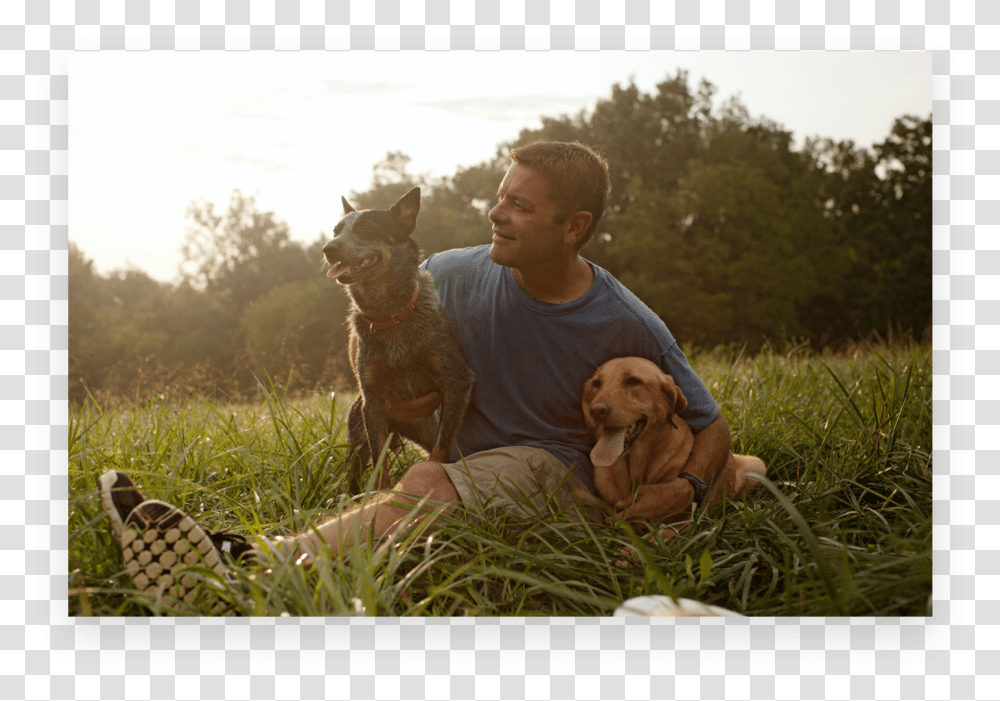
<point x="397" y="318"/>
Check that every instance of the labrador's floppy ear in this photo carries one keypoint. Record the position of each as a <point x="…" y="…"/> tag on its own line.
<point x="588" y="397"/>
<point x="673" y="393"/>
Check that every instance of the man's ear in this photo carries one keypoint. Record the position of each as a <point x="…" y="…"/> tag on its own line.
<point x="576" y="225"/>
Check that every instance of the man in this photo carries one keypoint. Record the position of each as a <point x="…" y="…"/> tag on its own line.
<point x="534" y="320"/>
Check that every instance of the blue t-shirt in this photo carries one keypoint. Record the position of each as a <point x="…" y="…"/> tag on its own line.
<point x="532" y="358"/>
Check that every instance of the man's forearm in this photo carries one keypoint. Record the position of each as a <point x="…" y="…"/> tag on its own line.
<point x="666" y="502"/>
<point x="711" y="449"/>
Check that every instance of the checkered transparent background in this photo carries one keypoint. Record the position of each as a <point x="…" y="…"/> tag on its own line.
<point x="953" y="655"/>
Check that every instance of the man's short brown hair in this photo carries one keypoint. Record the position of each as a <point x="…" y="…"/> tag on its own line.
<point x="576" y="174"/>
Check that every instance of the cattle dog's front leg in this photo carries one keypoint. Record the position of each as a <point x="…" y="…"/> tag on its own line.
<point x="457" y="391"/>
<point x="377" y="432"/>
<point x="358" y="455"/>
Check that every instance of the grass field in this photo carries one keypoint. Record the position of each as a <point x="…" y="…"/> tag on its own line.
<point x="842" y="526"/>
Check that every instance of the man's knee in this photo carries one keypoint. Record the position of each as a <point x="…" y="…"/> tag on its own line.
<point x="427" y="479"/>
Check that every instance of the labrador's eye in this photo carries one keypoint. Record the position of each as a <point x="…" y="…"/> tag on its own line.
<point x="633" y="382"/>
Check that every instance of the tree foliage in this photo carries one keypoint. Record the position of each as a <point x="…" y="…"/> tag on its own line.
<point x="717" y="221"/>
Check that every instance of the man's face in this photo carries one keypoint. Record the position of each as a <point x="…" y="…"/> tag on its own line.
<point x="524" y="228"/>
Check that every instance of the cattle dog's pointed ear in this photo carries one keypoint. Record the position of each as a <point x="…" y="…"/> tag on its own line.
<point x="673" y="393"/>
<point x="406" y="209"/>
<point x="347" y="207"/>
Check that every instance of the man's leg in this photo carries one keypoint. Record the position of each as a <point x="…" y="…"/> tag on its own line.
<point x="382" y="513"/>
<point x="158" y="538"/>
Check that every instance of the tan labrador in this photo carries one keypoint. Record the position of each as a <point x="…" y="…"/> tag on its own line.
<point x="631" y="407"/>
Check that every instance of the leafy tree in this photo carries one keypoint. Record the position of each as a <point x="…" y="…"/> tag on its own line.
<point x="391" y="180"/>
<point x="718" y="259"/>
<point x="296" y="333"/>
<point x="903" y="197"/>
<point x="649" y="136"/>
<point x="452" y="209"/>
<point x="88" y="327"/>
<point x="645" y="136"/>
<point x="455" y="213"/>
<point x="241" y="254"/>
<point x="716" y="221"/>
<point x="879" y="203"/>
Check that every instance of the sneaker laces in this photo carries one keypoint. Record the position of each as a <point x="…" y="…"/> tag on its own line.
<point x="230" y="544"/>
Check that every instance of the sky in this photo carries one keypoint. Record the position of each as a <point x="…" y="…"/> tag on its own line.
<point x="151" y="132"/>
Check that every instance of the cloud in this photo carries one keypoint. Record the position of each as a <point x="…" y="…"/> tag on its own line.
<point x="350" y="88"/>
<point x="258" y="106"/>
<point x="272" y="104"/>
<point x="243" y="161"/>
<point x="513" y="108"/>
<point x="187" y="147"/>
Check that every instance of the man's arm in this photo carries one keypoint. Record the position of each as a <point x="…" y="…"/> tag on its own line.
<point x="406" y="410"/>
<point x="670" y="501"/>
<point x="711" y="450"/>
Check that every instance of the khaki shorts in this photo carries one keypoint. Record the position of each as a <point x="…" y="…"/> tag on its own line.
<point x="524" y="481"/>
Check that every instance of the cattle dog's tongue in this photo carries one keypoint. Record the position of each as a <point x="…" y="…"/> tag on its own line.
<point x="609" y="448"/>
<point x="334" y="273"/>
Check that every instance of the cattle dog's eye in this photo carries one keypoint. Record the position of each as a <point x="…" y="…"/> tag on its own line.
<point x="633" y="382"/>
<point x="337" y="229"/>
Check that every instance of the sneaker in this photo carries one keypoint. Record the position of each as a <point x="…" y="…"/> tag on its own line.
<point x="233" y="546"/>
<point x="118" y="497"/>
<point x="158" y="542"/>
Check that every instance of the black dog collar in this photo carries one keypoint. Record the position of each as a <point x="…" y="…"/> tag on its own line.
<point x="700" y="488"/>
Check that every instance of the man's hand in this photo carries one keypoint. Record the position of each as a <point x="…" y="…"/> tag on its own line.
<point x="668" y="502"/>
<point x="406" y="410"/>
<point x="658" y="503"/>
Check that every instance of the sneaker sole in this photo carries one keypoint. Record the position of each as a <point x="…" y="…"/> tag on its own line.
<point x="159" y="541"/>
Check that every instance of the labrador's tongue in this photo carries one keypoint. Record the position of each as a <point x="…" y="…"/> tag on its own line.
<point x="334" y="273"/>
<point x="609" y="447"/>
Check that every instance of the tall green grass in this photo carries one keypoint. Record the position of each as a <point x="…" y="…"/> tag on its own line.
<point x="842" y="526"/>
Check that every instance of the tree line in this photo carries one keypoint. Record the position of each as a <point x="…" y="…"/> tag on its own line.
<point x="716" y="221"/>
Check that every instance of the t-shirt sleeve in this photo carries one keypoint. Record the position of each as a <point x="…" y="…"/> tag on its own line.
<point x="702" y="408"/>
